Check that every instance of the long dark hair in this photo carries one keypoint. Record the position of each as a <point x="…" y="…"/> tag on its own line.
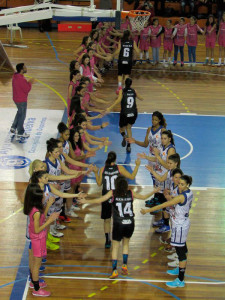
<point x="93" y="33"/>
<point x="78" y="119"/>
<point x="159" y="115"/>
<point x="177" y="171"/>
<point x="111" y="158"/>
<point x="84" y="41"/>
<point x="33" y="198"/>
<point x="72" y="65"/>
<point x="36" y="176"/>
<point x="128" y="83"/>
<point x="83" y="59"/>
<point x="79" y="144"/>
<point x="75" y="105"/>
<point x="170" y="135"/>
<point x="175" y="158"/>
<point x="121" y="186"/>
<point x="52" y="144"/>
<point x="126" y="36"/>
<point x="213" y="23"/>
<point x="187" y="179"/>
<point x="73" y="73"/>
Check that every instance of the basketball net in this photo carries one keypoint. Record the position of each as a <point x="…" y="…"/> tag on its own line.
<point x="138" y="18"/>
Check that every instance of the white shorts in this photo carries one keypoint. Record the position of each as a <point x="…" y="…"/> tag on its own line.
<point x="179" y="235"/>
<point x="56" y="206"/>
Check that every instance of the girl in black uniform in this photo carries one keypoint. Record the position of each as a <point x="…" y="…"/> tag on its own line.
<point x="125" y="60"/>
<point x="106" y="177"/>
<point x="129" y="112"/>
<point x="123" y="219"/>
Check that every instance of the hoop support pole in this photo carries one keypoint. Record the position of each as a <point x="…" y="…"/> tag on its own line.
<point x="118" y="19"/>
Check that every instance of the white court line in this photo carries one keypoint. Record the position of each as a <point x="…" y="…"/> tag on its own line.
<point x="132" y="280"/>
<point x="180" y="114"/>
<point x="26" y="289"/>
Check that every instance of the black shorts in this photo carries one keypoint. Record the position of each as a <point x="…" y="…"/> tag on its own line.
<point x="121" y="231"/>
<point x="124" y="69"/>
<point x="124" y="120"/>
<point x="106" y="212"/>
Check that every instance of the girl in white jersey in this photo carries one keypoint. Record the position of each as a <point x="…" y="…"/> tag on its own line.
<point x="166" y="178"/>
<point x="161" y="163"/>
<point x="180" y="227"/>
<point x="152" y="137"/>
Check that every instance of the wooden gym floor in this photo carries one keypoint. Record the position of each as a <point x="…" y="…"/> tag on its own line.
<point x="172" y="91"/>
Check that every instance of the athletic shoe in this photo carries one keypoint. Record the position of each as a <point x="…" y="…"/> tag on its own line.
<point x="128" y="149"/>
<point x="108" y="245"/>
<point x="148" y="202"/>
<point x="148" y="61"/>
<point x="60" y="227"/>
<point x="158" y="223"/>
<point x="175" y="62"/>
<point x="162" y="240"/>
<point x="51" y="246"/>
<point x="65" y="219"/>
<point x="124" y="270"/>
<point x="41" y="293"/>
<point x="206" y="62"/>
<point x="182" y="64"/>
<point x="169" y="249"/>
<point x="173" y="272"/>
<point x="42" y="268"/>
<point x="153" y="202"/>
<point x="118" y="90"/>
<point x="173" y="264"/>
<point x="114" y="274"/>
<point x="176" y="283"/>
<point x="163" y="229"/>
<point x="52" y="239"/>
<point x="22" y="136"/>
<point x="55" y="233"/>
<point x="75" y="207"/>
<point x="41" y="284"/>
<point x="173" y="256"/>
<point x="72" y="214"/>
<point x="123" y="144"/>
<point x="44" y="260"/>
<point x="212" y="62"/>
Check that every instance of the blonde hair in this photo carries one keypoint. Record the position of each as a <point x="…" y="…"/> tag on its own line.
<point x="33" y="166"/>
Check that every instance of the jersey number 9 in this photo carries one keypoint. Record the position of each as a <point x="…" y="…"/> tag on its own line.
<point x="130" y="102"/>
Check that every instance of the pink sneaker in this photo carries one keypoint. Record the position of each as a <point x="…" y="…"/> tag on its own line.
<point x="41" y="284"/>
<point x="41" y="293"/>
<point x="119" y="88"/>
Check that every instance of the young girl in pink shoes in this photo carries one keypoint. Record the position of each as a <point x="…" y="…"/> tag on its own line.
<point x="210" y="39"/>
<point x="221" y="40"/>
<point x="33" y="207"/>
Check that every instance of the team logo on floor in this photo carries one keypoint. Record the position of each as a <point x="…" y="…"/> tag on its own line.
<point x="14" y="162"/>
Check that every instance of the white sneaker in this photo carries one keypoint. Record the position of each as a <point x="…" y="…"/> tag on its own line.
<point x="54" y="232"/>
<point x="174" y="263"/>
<point x="74" y="207"/>
<point x="190" y="65"/>
<point x="174" y="256"/>
<point x="72" y="214"/>
<point x="22" y="136"/>
<point x="60" y="227"/>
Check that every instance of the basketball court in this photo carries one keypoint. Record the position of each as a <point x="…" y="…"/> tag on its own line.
<point x="193" y="104"/>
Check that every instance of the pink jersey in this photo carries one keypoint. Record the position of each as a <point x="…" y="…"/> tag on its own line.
<point x="83" y="138"/>
<point x="221" y="37"/>
<point x="32" y="234"/>
<point x="167" y="41"/>
<point x="87" y="73"/>
<point x="85" y="100"/>
<point x="210" y="38"/>
<point x="179" y="39"/>
<point x="144" y="39"/>
<point x="73" y="93"/>
<point x="135" y="36"/>
<point x="77" y="152"/>
<point x="155" y="42"/>
<point x="82" y="51"/>
<point x="192" y="34"/>
<point x="124" y="26"/>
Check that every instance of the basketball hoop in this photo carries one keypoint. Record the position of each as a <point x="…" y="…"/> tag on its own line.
<point x="137" y="18"/>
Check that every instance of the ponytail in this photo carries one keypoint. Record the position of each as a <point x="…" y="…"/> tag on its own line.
<point x="36" y="176"/>
<point x="187" y="179"/>
<point x="111" y="158"/>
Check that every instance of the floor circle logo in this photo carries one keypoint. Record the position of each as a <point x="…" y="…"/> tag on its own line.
<point x="14" y="162"/>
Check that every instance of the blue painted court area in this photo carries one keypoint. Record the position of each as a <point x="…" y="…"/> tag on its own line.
<point x="205" y="163"/>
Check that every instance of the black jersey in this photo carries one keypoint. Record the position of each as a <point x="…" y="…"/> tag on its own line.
<point x="109" y="175"/>
<point x="123" y="209"/>
<point x="126" y="52"/>
<point x="128" y="103"/>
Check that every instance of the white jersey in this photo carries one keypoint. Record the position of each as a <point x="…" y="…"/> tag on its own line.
<point x="66" y="147"/>
<point x="154" y="139"/>
<point x="173" y="192"/>
<point x="168" y="181"/>
<point x="181" y="211"/>
<point x="47" y="194"/>
<point x="53" y="168"/>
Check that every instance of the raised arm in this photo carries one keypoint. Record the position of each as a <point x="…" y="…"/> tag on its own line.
<point x="98" y="175"/>
<point x="117" y="101"/>
<point x="97" y="200"/>
<point x="127" y="174"/>
<point x="146" y="196"/>
<point x="142" y="144"/>
<point x="156" y="175"/>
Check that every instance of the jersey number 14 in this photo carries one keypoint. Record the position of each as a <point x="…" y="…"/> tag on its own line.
<point x="126" y="211"/>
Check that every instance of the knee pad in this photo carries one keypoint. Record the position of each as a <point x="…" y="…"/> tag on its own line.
<point x="181" y="252"/>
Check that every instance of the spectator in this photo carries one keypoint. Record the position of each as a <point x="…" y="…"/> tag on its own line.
<point x="220" y="9"/>
<point x="21" y="88"/>
<point x="191" y="4"/>
<point x="199" y="3"/>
